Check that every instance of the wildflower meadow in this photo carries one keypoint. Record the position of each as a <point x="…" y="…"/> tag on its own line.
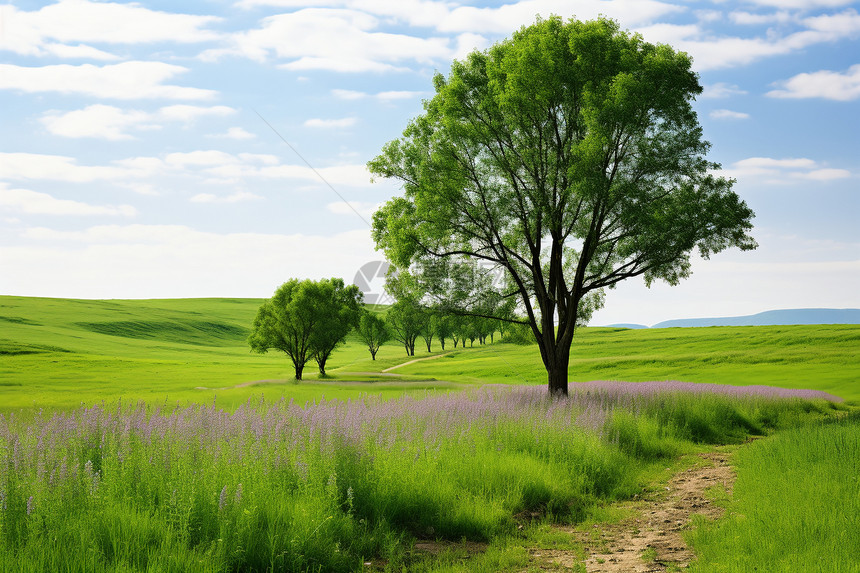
<point x="343" y="485"/>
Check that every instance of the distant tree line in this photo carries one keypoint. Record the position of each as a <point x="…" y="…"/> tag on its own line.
<point x="308" y="320"/>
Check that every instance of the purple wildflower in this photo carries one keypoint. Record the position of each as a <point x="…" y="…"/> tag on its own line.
<point x="222" y="500"/>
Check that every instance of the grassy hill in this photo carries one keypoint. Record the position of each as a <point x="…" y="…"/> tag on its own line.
<point x="61" y="352"/>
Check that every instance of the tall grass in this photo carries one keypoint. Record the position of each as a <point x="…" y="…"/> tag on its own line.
<point x="796" y="505"/>
<point x="329" y="485"/>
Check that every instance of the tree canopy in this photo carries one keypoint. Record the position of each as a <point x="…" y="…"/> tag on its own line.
<point x="306" y="319"/>
<point x="570" y="157"/>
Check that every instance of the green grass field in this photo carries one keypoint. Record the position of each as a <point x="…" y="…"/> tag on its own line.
<point x="215" y="473"/>
<point x="60" y="353"/>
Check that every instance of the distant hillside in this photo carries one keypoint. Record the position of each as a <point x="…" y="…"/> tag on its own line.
<point x="774" y="318"/>
<point x="626" y="325"/>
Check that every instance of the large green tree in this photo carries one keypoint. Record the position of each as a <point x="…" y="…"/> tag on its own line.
<point x="306" y="319"/>
<point x="570" y="157"/>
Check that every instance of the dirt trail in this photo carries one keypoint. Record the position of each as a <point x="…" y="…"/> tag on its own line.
<point x="416" y="360"/>
<point x="650" y="540"/>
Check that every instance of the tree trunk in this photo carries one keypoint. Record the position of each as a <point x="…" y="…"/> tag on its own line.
<point x="557" y="378"/>
<point x="321" y="358"/>
<point x="299" y="368"/>
<point x="557" y="362"/>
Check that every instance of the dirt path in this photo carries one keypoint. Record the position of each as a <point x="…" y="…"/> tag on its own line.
<point x="416" y="360"/>
<point x="650" y="540"/>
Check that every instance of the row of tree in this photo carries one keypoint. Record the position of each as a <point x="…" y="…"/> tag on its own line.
<point x="308" y="319"/>
<point x="408" y="319"/>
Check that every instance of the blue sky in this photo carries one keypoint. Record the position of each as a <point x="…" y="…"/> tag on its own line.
<point x="134" y="162"/>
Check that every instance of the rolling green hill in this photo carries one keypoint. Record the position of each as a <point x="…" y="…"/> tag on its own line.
<point x="61" y="352"/>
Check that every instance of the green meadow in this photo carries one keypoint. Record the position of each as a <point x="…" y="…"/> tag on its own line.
<point x="145" y="436"/>
<point x="59" y="353"/>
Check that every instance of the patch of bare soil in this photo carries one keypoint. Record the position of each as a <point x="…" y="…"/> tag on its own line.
<point x="650" y="540"/>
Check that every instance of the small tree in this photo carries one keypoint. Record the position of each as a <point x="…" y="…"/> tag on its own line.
<point x="429" y="327"/>
<point x="444" y="328"/>
<point x="406" y="319"/>
<point x="373" y="331"/>
<point x="340" y="309"/>
<point x="305" y="319"/>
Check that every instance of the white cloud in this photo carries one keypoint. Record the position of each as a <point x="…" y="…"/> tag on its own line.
<point x="189" y="113"/>
<point x="236" y="197"/>
<point x="210" y="164"/>
<point x="750" y="19"/>
<point x="381" y="96"/>
<point x="468" y="43"/>
<point x="770" y="163"/>
<point x="163" y="261"/>
<point x="716" y="52"/>
<point x="235" y="133"/>
<point x="112" y="123"/>
<point x="341" y="64"/>
<point x="720" y="90"/>
<point x="262" y="158"/>
<point x="709" y="15"/>
<point x="331" y="123"/>
<point x="338" y="175"/>
<point x="352" y="175"/>
<point x="35" y="203"/>
<point x="422" y="13"/>
<point x="141" y="166"/>
<point x="333" y="39"/>
<point x="201" y="158"/>
<point x="126" y="80"/>
<point x="79" y="52"/>
<point x="826" y="84"/>
<point x="842" y="24"/>
<point x="510" y="17"/>
<point x="57" y="168"/>
<point x="504" y="18"/>
<point x="802" y="4"/>
<point x="823" y="174"/>
<point x="53" y="29"/>
<point x="728" y="114"/>
<point x="782" y="171"/>
<point x="100" y="121"/>
<point x="140" y="188"/>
